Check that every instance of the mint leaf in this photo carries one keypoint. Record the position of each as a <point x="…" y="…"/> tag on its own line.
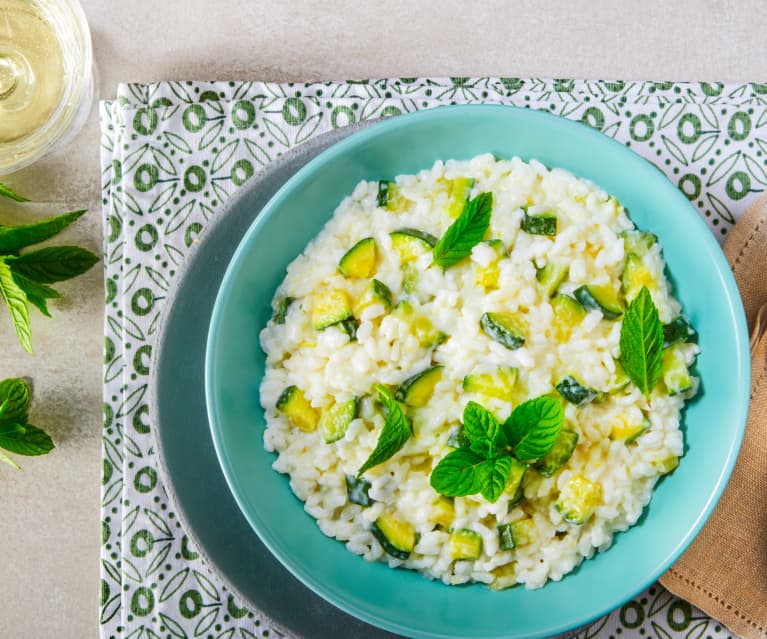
<point x="494" y="475"/>
<point x="533" y="427"/>
<point x="54" y="263"/>
<point x="483" y="430"/>
<point x="13" y="238"/>
<point x="468" y="230"/>
<point x="9" y="461"/>
<point x="7" y="191"/>
<point x="14" y="401"/>
<point x="17" y="305"/>
<point x="11" y="429"/>
<point x="395" y="433"/>
<point x="34" y="441"/>
<point x="458" y="473"/>
<point x="37" y="294"/>
<point x="641" y="342"/>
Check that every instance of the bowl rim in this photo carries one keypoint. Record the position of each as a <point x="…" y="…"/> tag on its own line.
<point x="382" y="128"/>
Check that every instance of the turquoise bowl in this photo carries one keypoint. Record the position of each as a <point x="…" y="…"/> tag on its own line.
<point x="403" y="601"/>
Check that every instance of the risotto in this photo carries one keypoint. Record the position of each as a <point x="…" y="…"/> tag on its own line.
<point x="445" y="382"/>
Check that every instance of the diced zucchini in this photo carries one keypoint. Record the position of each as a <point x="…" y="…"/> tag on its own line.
<point x="396" y="537"/>
<point x="520" y="533"/>
<point x="360" y="260"/>
<point x="499" y="247"/>
<point x="294" y="405"/>
<point x="487" y="276"/>
<point x="508" y="330"/>
<point x="514" y="484"/>
<point x="676" y="377"/>
<point x="599" y="298"/>
<point x="575" y="392"/>
<point x="628" y="428"/>
<point x="335" y="420"/>
<point x="578" y="500"/>
<point x="665" y="465"/>
<point x="411" y="243"/>
<point x="390" y="197"/>
<point x="638" y="242"/>
<point x="498" y="383"/>
<point x="505" y="538"/>
<point x="357" y="490"/>
<point x="559" y="454"/>
<point x="418" y="389"/>
<point x="550" y="277"/>
<point x="330" y="307"/>
<point x="376" y="292"/>
<point x="677" y="330"/>
<point x="543" y="224"/>
<point x="420" y="325"/>
<point x="443" y="512"/>
<point x="350" y="326"/>
<point x="568" y="313"/>
<point x="619" y="380"/>
<point x="635" y="276"/>
<point x="459" y="190"/>
<point x="505" y="577"/>
<point x="465" y="544"/>
<point x="458" y="438"/>
<point x="281" y="309"/>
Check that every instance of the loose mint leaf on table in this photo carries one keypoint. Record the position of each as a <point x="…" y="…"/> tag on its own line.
<point x="13" y="238"/>
<point x="16" y="300"/>
<point x="34" y="441"/>
<point x="458" y="473"/>
<point x="395" y="433"/>
<point x="14" y="401"/>
<point x="16" y="434"/>
<point x="467" y="231"/>
<point x="533" y="427"/>
<point x="37" y="294"/>
<point x="7" y="191"/>
<point x="54" y="263"/>
<point x="641" y="342"/>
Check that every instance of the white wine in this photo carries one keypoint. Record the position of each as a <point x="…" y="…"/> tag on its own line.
<point x="31" y="69"/>
<point x="46" y="77"/>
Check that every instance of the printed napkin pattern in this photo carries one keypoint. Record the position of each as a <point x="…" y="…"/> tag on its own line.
<point x="171" y="155"/>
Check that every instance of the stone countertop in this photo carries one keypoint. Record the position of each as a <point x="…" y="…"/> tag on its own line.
<point x="49" y="521"/>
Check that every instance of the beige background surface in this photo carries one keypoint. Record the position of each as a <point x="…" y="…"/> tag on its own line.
<point x="49" y="512"/>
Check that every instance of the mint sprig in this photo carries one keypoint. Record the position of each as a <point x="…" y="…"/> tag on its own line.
<point x="467" y="231"/>
<point x="641" y="342"/>
<point x="16" y="434"/>
<point x="483" y="464"/>
<point x="395" y="433"/>
<point x="7" y="191"/>
<point x="24" y="277"/>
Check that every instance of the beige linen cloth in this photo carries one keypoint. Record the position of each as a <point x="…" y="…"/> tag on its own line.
<point x="724" y="572"/>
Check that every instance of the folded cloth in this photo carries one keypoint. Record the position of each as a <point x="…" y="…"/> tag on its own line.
<point x="724" y="572"/>
<point x="174" y="152"/>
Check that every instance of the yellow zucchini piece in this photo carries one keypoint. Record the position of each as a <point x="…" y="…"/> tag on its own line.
<point x="334" y="421"/>
<point x="579" y="499"/>
<point x="360" y="260"/>
<point x="568" y="313"/>
<point x="417" y="390"/>
<point x="465" y="544"/>
<point x="459" y="190"/>
<point x="498" y="383"/>
<point x="330" y="307"/>
<point x="376" y="292"/>
<point x="294" y="405"/>
<point x="635" y="276"/>
<point x="443" y="512"/>
<point x="600" y="298"/>
<point x="397" y="537"/>
<point x="506" y="329"/>
<point x="676" y="377"/>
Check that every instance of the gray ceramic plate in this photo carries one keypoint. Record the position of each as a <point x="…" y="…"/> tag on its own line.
<point x="188" y="463"/>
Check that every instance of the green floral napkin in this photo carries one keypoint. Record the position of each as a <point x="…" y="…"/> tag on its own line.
<point x="174" y="152"/>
